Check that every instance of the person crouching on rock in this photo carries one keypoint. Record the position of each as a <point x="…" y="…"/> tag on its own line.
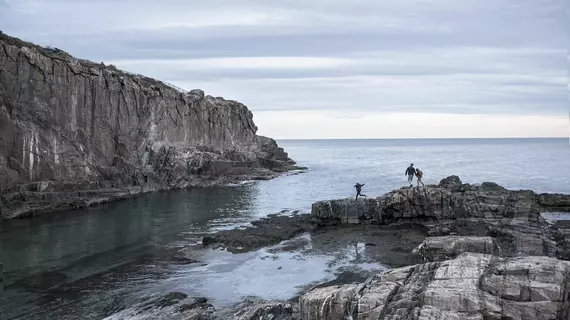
<point x="419" y="175"/>
<point x="358" y="187"/>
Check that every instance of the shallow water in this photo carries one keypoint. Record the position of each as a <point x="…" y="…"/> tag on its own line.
<point x="107" y="256"/>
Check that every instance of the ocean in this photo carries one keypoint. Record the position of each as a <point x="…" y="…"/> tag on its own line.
<point x="91" y="263"/>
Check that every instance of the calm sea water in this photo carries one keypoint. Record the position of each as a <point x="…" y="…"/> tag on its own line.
<point x="90" y="263"/>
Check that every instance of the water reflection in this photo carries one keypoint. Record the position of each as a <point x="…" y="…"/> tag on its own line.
<point x="57" y="240"/>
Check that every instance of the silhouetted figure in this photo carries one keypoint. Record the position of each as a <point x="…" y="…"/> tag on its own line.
<point x="419" y="175"/>
<point x="358" y="187"/>
<point x="411" y="171"/>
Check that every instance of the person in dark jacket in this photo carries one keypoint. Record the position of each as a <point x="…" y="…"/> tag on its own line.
<point x="358" y="187"/>
<point x="410" y="171"/>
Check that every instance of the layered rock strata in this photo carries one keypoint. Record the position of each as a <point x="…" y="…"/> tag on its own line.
<point x="471" y="287"/>
<point x="74" y="133"/>
<point x="512" y="218"/>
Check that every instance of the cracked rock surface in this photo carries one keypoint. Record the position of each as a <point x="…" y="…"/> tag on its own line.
<point x="471" y="286"/>
<point x="511" y="218"/>
<point x="74" y="133"/>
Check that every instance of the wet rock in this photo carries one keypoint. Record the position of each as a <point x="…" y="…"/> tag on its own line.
<point x="555" y="202"/>
<point x="391" y="245"/>
<point x="183" y="261"/>
<point x="472" y="286"/>
<point x="354" y="276"/>
<point x="170" y="299"/>
<point x="172" y="306"/>
<point x="256" y="309"/>
<point x="271" y="230"/>
<point x="448" y="247"/>
<point x="77" y="133"/>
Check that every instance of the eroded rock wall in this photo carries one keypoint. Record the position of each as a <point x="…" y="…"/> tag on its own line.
<point x="69" y="124"/>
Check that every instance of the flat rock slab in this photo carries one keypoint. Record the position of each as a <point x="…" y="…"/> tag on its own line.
<point x="269" y="231"/>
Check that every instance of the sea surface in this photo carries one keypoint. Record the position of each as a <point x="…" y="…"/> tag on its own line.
<point x="89" y="264"/>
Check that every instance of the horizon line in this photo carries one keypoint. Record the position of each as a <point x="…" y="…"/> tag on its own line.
<point x="470" y="138"/>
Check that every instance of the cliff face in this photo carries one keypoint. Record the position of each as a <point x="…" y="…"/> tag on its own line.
<point x="73" y="125"/>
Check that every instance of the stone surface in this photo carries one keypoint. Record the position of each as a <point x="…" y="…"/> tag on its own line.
<point x="172" y="306"/>
<point x="178" y="306"/>
<point x="264" y="232"/>
<point x="448" y="247"/>
<point x="472" y="286"/>
<point x="512" y="218"/>
<point x="74" y="133"/>
<point x="255" y="309"/>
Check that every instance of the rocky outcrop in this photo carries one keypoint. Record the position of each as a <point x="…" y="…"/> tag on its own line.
<point x="75" y="133"/>
<point x="511" y="218"/>
<point x="264" y="232"/>
<point x="472" y="286"/>
<point x="489" y="255"/>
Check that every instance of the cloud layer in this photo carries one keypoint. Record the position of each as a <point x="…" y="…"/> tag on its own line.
<point x="358" y="59"/>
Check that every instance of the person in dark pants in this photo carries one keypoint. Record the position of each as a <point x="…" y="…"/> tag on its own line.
<point x="358" y="187"/>
<point x="411" y="171"/>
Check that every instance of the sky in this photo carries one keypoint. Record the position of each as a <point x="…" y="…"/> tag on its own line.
<point x="335" y="68"/>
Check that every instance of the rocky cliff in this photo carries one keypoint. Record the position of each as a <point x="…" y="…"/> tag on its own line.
<point x="74" y="133"/>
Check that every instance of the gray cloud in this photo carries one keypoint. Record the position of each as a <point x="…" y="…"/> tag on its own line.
<point x="436" y="56"/>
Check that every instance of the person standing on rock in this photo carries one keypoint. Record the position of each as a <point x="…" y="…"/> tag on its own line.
<point x="410" y="171"/>
<point x="358" y="187"/>
<point x="419" y="175"/>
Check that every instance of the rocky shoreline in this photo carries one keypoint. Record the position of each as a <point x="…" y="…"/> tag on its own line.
<point x="487" y="254"/>
<point x="75" y="133"/>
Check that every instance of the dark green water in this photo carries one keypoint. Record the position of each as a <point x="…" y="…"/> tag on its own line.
<point x="108" y="247"/>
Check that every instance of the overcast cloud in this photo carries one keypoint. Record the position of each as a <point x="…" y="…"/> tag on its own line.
<point x="438" y="61"/>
